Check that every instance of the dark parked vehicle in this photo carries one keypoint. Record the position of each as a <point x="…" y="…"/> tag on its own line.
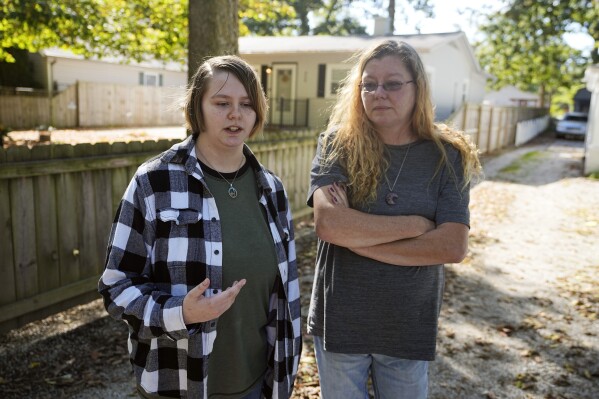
<point x="573" y="124"/>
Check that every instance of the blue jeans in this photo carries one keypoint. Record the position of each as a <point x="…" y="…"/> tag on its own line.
<point x="256" y="393"/>
<point x="345" y="376"/>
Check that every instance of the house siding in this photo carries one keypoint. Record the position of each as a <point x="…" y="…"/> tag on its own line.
<point x="477" y="89"/>
<point x="451" y="72"/>
<point x="67" y="71"/>
<point x="457" y="77"/>
<point x="509" y="96"/>
<point x="306" y="80"/>
<point x="591" y="151"/>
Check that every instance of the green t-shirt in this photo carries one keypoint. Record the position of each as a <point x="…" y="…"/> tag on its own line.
<point x="238" y="360"/>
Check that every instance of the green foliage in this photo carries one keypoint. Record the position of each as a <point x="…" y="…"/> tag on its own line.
<point x="142" y="29"/>
<point x="158" y="29"/>
<point x="563" y="99"/>
<point x="266" y="18"/>
<point x="526" y="159"/>
<point x="524" y="44"/>
<point x="332" y="21"/>
<point x="302" y="9"/>
<point x="134" y="29"/>
<point x="18" y="73"/>
<point x="331" y="18"/>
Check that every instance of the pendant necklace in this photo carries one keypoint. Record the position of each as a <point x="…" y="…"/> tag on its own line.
<point x="232" y="190"/>
<point x="391" y="197"/>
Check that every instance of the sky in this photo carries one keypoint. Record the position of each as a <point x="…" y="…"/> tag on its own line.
<point x="451" y="16"/>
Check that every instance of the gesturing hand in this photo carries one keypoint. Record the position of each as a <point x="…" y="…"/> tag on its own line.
<point x="197" y="308"/>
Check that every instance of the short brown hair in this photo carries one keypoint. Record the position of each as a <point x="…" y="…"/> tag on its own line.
<point x="194" y="117"/>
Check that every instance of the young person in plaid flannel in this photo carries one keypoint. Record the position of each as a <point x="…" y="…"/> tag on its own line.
<point x="201" y="257"/>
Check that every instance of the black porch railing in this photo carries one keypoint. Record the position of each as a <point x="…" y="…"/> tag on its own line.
<point x="285" y="112"/>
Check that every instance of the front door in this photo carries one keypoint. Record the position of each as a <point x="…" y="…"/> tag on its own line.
<point x="283" y="94"/>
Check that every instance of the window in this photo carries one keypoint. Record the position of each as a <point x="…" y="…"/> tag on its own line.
<point x="150" y="79"/>
<point x="335" y="73"/>
<point x="576" y="117"/>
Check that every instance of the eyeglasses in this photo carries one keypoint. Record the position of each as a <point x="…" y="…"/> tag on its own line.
<point x="387" y="86"/>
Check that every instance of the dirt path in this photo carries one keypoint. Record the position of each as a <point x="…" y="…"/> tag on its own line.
<point x="519" y="319"/>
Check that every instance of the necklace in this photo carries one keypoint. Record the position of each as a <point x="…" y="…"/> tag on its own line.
<point x="391" y="197"/>
<point x="232" y="190"/>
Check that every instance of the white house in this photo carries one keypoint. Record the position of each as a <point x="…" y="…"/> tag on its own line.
<point x="64" y="68"/>
<point x="300" y="74"/>
<point x="511" y="96"/>
<point x="307" y="71"/>
<point x="591" y="150"/>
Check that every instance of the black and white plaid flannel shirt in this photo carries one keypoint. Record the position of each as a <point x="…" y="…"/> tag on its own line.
<point x="165" y="240"/>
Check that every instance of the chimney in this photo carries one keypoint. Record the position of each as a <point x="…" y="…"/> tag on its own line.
<point x="381" y="26"/>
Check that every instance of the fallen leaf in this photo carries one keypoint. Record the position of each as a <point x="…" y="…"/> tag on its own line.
<point x="66" y="379"/>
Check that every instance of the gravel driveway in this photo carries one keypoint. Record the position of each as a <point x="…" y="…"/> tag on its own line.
<point x="519" y="319"/>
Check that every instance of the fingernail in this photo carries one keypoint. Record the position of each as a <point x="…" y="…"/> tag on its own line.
<point x="335" y="200"/>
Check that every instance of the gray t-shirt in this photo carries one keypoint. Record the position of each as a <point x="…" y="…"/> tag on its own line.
<point x="360" y="305"/>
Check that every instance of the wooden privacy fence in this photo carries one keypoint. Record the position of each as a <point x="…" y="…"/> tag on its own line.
<point x="87" y="104"/>
<point x="57" y="203"/>
<point x="492" y="128"/>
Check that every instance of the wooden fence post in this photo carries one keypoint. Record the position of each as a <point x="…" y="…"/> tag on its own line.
<point x="500" y="130"/>
<point x="77" y="105"/>
<point x="489" y="148"/>
<point x="479" y="124"/>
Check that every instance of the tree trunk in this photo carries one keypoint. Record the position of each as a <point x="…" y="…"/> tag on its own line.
<point x="213" y="30"/>
<point x="542" y="96"/>
<point x="301" y="10"/>
<point x="391" y="16"/>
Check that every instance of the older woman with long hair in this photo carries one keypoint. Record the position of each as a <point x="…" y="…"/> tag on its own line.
<point x="390" y="191"/>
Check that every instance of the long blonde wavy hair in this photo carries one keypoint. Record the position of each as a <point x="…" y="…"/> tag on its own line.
<point x="352" y="139"/>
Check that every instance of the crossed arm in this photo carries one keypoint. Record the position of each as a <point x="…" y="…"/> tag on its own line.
<point x="397" y="240"/>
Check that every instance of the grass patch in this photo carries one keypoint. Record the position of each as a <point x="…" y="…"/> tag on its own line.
<point x="525" y="159"/>
<point x="531" y="156"/>
<point x="512" y="168"/>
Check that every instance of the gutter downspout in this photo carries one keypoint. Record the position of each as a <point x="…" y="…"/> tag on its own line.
<point x="50" y="74"/>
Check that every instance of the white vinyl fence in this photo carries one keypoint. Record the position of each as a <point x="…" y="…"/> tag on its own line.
<point x="528" y="130"/>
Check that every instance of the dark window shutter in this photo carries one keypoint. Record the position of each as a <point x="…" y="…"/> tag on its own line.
<point x="141" y="78"/>
<point x="160" y="80"/>
<point x="264" y="77"/>
<point x="322" y="70"/>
